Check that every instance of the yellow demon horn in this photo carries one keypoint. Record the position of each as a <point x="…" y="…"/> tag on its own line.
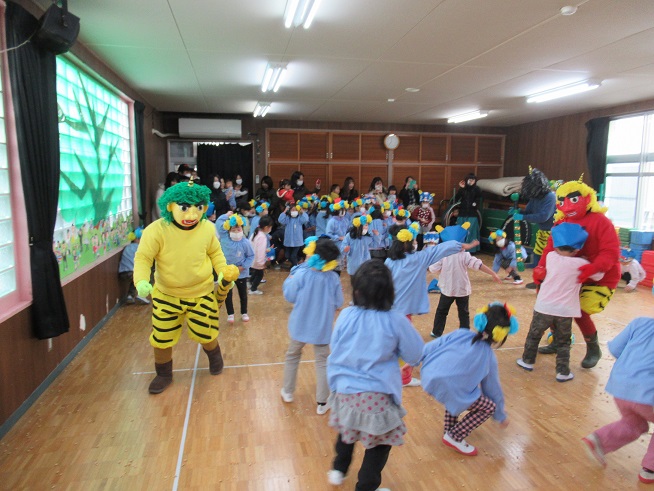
<point x="581" y="178"/>
<point x="530" y="170"/>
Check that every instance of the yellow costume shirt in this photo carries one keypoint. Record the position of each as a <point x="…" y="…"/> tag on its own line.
<point x="185" y="259"/>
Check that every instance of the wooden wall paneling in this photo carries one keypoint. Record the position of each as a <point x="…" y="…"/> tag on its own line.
<point x="409" y="149"/>
<point x="489" y="171"/>
<point x="314" y="146"/>
<point x="462" y="148"/>
<point x="345" y="147"/>
<point x="433" y="148"/>
<point x="432" y="180"/>
<point x="458" y="172"/>
<point x="369" y="172"/>
<point x="372" y="148"/>
<point x="490" y="149"/>
<point x="339" y="172"/>
<point x="279" y="171"/>
<point x="400" y="173"/>
<point x="316" y="171"/>
<point x="283" y="145"/>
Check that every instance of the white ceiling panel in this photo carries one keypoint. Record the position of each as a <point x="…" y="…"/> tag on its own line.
<point x="209" y="56"/>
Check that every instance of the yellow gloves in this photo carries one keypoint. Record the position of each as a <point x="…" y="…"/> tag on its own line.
<point x="230" y="273"/>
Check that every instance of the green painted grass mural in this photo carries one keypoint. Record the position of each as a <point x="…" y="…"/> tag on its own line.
<point x="95" y="192"/>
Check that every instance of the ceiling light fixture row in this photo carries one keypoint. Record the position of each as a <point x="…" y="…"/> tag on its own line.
<point x="261" y="109"/>
<point x="544" y="96"/>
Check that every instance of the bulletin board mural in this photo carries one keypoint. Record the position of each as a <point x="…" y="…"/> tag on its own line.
<point x="94" y="214"/>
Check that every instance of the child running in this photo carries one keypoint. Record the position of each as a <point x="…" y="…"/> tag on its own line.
<point x="454" y="282"/>
<point x="315" y="291"/>
<point x="459" y="370"/>
<point x="409" y="271"/>
<point x="632" y="385"/>
<point x="558" y="298"/>
<point x="364" y="375"/>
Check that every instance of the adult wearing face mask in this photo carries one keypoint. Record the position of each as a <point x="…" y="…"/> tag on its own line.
<point x="185" y="171"/>
<point x="299" y="188"/>
<point x="240" y="191"/>
<point x="469" y="196"/>
<point x="218" y="197"/>
<point x="378" y="190"/>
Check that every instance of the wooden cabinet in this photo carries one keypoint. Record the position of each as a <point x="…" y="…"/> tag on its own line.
<point x="314" y="147"/>
<point x="283" y="145"/>
<point x="434" y="148"/>
<point x="373" y="149"/>
<point x="345" y="147"/>
<point x="409" y="149"/>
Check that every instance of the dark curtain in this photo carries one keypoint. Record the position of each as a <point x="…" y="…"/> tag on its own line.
<point x="226" y="160"/>
<point x="139" y="110"/>
<point x="597" y="141"/>
<point x="33" y="85"/>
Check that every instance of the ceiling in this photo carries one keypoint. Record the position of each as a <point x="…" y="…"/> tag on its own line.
<point x="209" y="56"/>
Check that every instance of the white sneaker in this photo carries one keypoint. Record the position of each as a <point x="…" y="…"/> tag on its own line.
<point x="462" y="447"/>
<point x="518" y="282"/>
<point x="286" y="397"/>
<point x="594" y="449"/>
<point x="230" y="318"/>
<point x="245" y="318"/>
<point x="414" y="382"/>
<point x="262" y="282"/>
<point x="564" y="378"/>
<point x="255" y="292"/>
<point x="142" y="300"/>
<point x="527" y="366"/>
<point x="335" y="477"/>
<point x="322" y="409"/>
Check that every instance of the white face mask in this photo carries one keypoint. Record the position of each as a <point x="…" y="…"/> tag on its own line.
<point x="236" y="236"/>
<point x="365" y="230"/>
<point x="362" y="209"/>
<point x="501" y="242"/>
<point x="216" y="185"/>
<point x="425" y="205"/>
<point x="187" y="174"/>
<point x="294" y="213"/>
<point x="300" y="182"/>
<point x="378" y="187"/>
<point x="387" y="214"/>
<point x="239" y="181"/>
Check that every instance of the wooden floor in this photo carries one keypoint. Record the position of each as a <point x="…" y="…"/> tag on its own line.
<point x="96" y="427"/>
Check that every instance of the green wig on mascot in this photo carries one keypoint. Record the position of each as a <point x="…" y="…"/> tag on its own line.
<point x="184" y="248"/>
<point x="576" y="202"/>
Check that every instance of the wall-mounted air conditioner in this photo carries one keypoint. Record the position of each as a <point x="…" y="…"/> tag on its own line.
<point x="209" y="128"/>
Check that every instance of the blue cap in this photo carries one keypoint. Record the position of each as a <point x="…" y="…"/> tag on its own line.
<point x="569" y="234"/>
<point x="138" y="232"/>
<point x="453" y="232"/>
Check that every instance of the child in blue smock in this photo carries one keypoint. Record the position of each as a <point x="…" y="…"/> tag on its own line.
<point x="631" y="384"/>
<point x="356" y="243"/>
<point x="409" y="270"/>
<point x="459" y="370"/>
<point x="364" y="375"/>
<point x="337" y="226"/>
<point x="505" y="256"/>
<point x="315" y="292"/>
<point x="293" y="219"/>
<point x="238" y="251"/>
<point x="378" y="230"/>
<point x="261" y="210"/>
<point x="322" y="216"/>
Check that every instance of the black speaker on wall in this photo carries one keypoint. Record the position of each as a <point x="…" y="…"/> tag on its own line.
<point x="59" y="28"/>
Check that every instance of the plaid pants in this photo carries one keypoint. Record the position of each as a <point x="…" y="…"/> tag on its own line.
<point x="480" y="410"/>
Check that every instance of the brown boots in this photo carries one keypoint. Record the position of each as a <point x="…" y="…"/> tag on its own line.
<point x="216" y="363"/>
<point x="163" y="379"/>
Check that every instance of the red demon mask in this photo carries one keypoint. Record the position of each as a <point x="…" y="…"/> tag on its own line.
<point x="573" y="205"/>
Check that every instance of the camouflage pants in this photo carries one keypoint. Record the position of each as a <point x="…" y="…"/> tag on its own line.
<point x="562" y="331"/>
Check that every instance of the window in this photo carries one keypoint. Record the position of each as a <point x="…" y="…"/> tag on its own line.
<point x="629" y="191"/>
<point x="96" y="191"/>
<point x="8" y="276"/>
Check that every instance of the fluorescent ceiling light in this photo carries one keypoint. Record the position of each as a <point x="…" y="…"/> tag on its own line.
<point x="272" y="79"/>
<point x="261" y="109"/>
<point x="564" y="91"/>
<point x="300" y="12"/>
<point x="467" y="116"/>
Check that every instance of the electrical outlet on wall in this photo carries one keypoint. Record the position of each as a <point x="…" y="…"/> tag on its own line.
<point x="256" y="179"/>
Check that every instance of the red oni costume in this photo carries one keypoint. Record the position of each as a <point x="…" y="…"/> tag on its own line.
<point x="577" y="203"/>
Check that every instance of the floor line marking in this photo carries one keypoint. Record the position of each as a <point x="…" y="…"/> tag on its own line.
<point x="226" y="366"/>
<point x="178" y="469"/>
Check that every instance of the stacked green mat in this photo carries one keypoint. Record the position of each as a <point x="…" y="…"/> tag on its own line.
<point x="625" y="236"/>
